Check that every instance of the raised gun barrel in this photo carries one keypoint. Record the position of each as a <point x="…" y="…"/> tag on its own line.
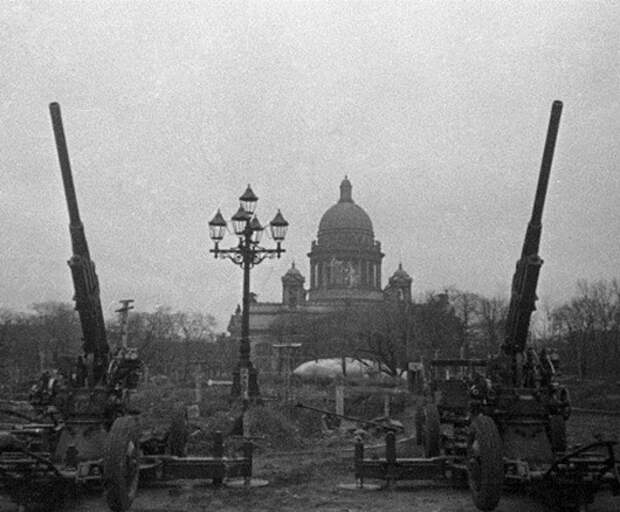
<point x="85" y="281"/>
<point x="525" y="279"/>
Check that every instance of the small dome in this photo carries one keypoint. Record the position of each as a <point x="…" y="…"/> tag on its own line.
<point x="345" y="215"/>
<point x="293" y="274"/>
<point x="400" y="276"/>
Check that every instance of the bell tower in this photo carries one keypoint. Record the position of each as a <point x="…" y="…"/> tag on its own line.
<point x="399" y="286"/>
<point x="293" y="293"/>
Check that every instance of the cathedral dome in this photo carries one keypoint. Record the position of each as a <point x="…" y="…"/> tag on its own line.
<point x="345" y="216"/>
<point x="345" y="260"/>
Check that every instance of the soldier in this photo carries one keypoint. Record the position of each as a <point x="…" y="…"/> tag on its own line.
<point x="547" y="371"/>
<point x="78" y="376"/>
<point x="531" y="369"/>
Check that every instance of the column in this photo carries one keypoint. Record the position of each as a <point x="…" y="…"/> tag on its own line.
<point x="364" y="271"/>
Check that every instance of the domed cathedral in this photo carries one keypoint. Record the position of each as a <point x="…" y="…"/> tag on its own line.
<point x="345" y="270"/>
<point x="345" y="259"/>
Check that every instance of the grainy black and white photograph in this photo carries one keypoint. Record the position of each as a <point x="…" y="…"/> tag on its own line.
<point x="331" y="256"/>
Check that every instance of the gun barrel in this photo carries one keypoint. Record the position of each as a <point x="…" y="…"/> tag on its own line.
<point x="531" y="242"/>
<point x="85" y="281"/>
<point x="525" y="279"/>
<point x="65" y="164"/>
<point x="545" y="166"/>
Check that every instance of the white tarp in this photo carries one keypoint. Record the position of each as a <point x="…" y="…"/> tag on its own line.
<point x="331" y="368"/>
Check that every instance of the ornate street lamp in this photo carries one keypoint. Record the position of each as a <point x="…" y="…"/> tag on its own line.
<point x="247" y="254"/>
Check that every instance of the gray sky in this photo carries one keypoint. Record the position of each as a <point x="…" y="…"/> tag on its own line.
<point x="437" y="111"/>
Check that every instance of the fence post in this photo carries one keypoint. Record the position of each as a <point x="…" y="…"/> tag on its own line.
<point x="340" y="399"/>
<point x="198" y="386"/>
<point x="386" y="405"/>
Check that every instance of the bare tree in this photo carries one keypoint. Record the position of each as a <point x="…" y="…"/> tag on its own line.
<point x="491" y="321"/>
<point x="589" y="326"/>
<point x="58" y="332"/>
<point x="193" y="329"/>
<point x="466" y="307"/>
<point x="437" y="330"/>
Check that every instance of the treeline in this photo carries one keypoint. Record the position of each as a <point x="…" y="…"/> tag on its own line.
<point x="585" y="330"/>
<point x="170" y="343"/>
<point x="33" y="341"/>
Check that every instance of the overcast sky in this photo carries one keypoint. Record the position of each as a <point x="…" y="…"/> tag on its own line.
<point x="437" y="112"/>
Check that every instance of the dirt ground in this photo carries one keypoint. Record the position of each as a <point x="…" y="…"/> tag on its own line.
<point x="307" y="480"/>
<point x="308" y="484"/>
<point x="304" y="467"/>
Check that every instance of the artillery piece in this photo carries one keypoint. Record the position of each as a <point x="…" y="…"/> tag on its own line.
<point x="504" y="418"/>
<point x="84" y="432"/>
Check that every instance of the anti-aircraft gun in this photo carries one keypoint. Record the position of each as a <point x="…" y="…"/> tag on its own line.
<point x="85" y="281"/>
<point x="501" y="421"/>
<point x="515" y="430"/>
<point x="518" y="414"/>
<point x="459" y="384"/>
<point x="99" y="370"/>
<point x="84" y="432"/>
<point x="519" y="367"/>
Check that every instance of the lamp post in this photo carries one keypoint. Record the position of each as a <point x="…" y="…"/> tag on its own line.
<point x="247" y="254"/>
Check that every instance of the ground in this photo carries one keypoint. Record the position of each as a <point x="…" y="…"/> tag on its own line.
<point x="304" y="467"/>
<point x="303" y="482"/>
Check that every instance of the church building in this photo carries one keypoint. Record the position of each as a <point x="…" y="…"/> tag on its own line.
<point x="345" y="269"/>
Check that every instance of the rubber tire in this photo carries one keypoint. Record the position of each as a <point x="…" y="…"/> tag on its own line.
<point x="431" y="431"/>
<point x="557" y="433"/>
<point x="121" y="464"/>
<point x="486" y="479"/>
<point x="419" y="426"/>
<point x="178" y="433"/>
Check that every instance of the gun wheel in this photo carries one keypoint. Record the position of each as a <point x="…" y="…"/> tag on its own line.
<point x="431" y="431"/>
<point x="485" y="463"/>
<point x="121" y="465"/>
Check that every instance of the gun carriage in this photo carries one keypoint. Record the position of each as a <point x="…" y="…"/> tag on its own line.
<point x="83" y="432"/>
<point x="501" y="421"/>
